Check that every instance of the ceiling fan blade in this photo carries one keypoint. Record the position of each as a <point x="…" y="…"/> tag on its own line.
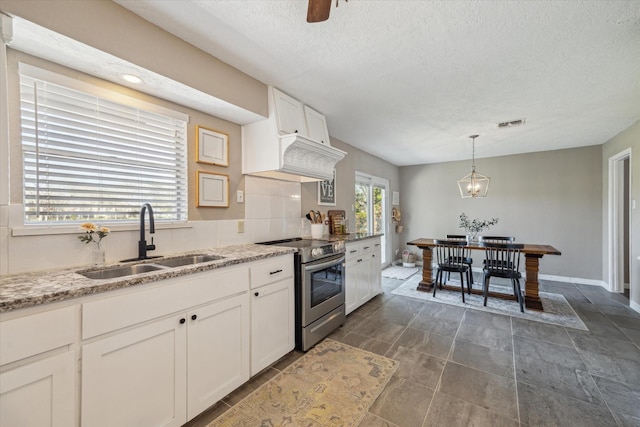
<point x="318" y="10"/>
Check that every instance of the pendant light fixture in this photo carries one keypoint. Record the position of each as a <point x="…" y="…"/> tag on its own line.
<point x="475" y="184"/>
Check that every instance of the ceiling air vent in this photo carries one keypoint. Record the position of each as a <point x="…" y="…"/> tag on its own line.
<point x="511" y="124"/>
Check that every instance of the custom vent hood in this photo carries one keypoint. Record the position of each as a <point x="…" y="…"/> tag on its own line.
<point x="292" y="144"/>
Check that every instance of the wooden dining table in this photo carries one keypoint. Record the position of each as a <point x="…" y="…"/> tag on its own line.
<point x="532" y="254"/>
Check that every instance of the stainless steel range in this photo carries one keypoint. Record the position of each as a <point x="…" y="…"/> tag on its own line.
<point x="319" y="288"/>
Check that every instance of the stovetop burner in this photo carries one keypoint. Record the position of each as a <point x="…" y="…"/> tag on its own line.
<point x="310" y="249"/>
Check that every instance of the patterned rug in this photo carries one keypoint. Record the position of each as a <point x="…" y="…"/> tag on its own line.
<point x="397" y="272"/>
<point x="334" y="384"/>
<point x="557" y="310"/>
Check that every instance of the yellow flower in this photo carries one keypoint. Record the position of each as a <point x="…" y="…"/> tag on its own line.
<point x="88" y="226"/>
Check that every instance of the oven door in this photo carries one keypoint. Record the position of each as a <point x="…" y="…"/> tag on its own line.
<point x="322" y="288"/>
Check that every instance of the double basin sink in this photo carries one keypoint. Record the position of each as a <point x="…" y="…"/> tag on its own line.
<point x="145" y="267"/>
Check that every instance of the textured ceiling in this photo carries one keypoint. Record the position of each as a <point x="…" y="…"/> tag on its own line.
<point x="409" y="81"/>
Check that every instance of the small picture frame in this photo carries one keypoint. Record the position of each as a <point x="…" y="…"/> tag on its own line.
<point x="395" y="198"/>
<point x="327" y="191"/>
<point x="212" y="190"/>
<point x="212" y="146"/>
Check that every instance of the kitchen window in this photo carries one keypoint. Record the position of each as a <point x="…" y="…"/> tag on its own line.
<point x="90" y="154"/>
<point x="371" y="207"/>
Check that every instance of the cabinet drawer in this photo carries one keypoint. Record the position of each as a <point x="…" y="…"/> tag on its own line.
<point x="352" y="251"/>
<point x="30" y="335"/>
<point x="271" y="271"/>
<point x="366" y="246"/>
<point x="178" y="294"/>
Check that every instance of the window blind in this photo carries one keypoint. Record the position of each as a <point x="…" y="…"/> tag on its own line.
<point x="86" y="158"/>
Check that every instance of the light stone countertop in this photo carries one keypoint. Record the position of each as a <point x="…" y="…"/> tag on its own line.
<point x="44" y="287"/>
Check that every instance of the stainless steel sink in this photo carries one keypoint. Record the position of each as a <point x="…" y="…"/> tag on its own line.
<point x="120" y="271"/>
<point x="186" y="260"/>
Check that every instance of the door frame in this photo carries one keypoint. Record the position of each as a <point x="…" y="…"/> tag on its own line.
<point x="373" y="180"/>
<point x="615" y="219"/>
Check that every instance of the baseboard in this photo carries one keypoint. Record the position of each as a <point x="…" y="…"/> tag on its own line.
<point x="635" y="306"/>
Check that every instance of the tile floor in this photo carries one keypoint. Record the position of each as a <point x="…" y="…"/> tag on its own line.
<point x="463" y="367"/>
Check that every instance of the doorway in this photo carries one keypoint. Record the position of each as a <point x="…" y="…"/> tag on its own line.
<point x="619" y="222"/>
<point x="371" y="209"/>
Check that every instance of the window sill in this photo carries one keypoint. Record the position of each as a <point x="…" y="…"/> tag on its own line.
<point x="39" y="230"/>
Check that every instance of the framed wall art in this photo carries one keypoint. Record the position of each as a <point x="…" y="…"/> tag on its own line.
<point x="212" y="190"/>
<point x="212" y="147"/>
<point x="327" y="191"/>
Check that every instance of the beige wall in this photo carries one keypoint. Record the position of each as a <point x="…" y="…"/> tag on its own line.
<point x="111" y="28"/>
<point x="627" y="139"/>
<point x="551" y="197"/>
<point x="234" y="171"/>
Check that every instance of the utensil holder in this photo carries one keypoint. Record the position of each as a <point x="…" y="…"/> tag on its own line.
<point x="316" y="231"/>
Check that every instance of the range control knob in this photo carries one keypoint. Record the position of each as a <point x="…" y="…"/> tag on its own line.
<point x="316" y="252"/>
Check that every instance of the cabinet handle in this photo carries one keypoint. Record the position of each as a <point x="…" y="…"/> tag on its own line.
<point x="367" y="247"/>
<point x="360" y="260"/>
<point x="275" y="272"/>
<point x="194" y="317"/>
<point x="353" y="251"/>
<point x="256" y="293"/>
<point x="182" y="320"/>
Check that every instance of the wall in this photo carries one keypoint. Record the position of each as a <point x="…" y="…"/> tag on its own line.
<point x="111" y="28"/>
<point x="356" y="160"/>
<point x="629" y="138"/>
<point x="551" y="197"/>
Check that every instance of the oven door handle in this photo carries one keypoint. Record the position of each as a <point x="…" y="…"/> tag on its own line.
<point x="318" y="267"/>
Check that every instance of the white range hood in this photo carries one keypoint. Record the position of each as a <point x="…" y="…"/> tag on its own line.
<point x="292" y="144"/>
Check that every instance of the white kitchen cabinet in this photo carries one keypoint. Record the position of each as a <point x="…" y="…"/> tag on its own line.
<point x="272" y="312"/>
<point x="37" y="383"/>
<point x="290" y="114"/>
<point x="289" y="145"/>
<point x="137" y="377"/>
<point x="41" y="393"/>
<point x="376" y="267"/>
<point x="316" y="125"/>
<point x="154" y="361"/>
<point x="363" y="272"/>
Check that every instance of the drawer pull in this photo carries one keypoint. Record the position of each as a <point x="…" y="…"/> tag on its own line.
<point x="276" y="272"/>
<point x="182" y="321"/>
<point x="256" y="293"/>
<point x="353" y="251"/>
<point x="367" y="247"/>
<point x="194" y="317"/>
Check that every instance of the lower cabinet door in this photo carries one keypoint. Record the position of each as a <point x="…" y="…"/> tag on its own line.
<point x="134" y="378"/>
<point x="218" y="351"/>
<point x="39" y="394"/>
<point x="351" y="286"/>
<point x="364" y="280"/>
<point x="272" y="323"/>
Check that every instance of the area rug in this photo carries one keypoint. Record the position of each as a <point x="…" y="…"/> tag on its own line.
<point x="557" y="310"/>
<point x="397" y="272"/>
<point x="334" y="384"/>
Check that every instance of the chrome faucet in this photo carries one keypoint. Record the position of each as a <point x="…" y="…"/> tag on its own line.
<point x="142" y="244"/>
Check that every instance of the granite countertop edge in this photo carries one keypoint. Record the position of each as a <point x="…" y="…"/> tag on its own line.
<point x="352" y="237"/>
<point x="45" y="287"/>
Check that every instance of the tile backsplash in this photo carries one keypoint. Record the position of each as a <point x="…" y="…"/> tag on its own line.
<point x="272" y="211"/>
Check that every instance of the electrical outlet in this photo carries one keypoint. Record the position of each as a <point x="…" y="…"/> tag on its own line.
<point x="240" y="196"/>
<point x="241" y="226"/>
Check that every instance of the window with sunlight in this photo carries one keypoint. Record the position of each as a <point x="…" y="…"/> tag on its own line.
<point x="87" y="157"/>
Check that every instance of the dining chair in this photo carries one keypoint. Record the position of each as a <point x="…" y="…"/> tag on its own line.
<point x="468" y="260"/>
<point x="503" y="260"/>
<point x="450" y="256"/>
<point x="497" y="239"/>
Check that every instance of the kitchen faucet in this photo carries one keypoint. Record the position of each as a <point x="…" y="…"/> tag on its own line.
<point x="142" y="244"/>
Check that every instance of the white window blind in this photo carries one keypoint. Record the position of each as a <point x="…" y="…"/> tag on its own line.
<point x="87" y="158"/>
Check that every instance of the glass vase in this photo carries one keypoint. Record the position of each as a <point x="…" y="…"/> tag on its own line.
<point x="97" y="255"/>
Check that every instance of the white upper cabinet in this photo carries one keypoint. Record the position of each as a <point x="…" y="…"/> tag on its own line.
<point x="316" y="125"/>
<point x="290" y="114"/>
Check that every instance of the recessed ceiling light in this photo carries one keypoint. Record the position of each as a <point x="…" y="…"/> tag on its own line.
<point x="131" y="78"/>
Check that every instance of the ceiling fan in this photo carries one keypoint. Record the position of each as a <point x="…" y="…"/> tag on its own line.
<point x="318" y="10"/>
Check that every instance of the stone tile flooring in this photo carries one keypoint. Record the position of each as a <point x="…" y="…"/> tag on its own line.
<point x="462" y="367"/>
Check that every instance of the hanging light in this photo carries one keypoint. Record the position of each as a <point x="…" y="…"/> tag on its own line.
<point x="474" y="184"/>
